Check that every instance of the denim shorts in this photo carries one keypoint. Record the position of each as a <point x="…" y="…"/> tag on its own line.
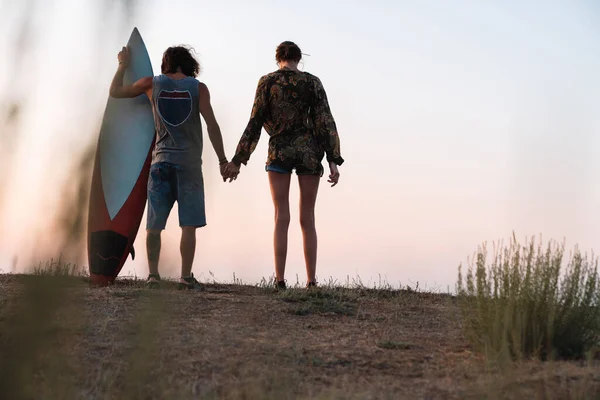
<point x="169" y="183"/>
<point x="300" y="170"/>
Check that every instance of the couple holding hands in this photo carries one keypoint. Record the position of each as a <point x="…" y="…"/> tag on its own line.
<point x="289" y="104"/>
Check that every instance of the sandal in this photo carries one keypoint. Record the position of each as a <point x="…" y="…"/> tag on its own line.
<point x="190" y="283"/>
<point x="280" y="285"/>
<point x="153" y="281"/>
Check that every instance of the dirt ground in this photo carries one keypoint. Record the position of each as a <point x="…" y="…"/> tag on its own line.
<point x="60" y="339"/>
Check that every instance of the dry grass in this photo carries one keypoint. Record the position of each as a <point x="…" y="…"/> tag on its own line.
<point x="245" y="342"/>
<point x="525" y="303"/>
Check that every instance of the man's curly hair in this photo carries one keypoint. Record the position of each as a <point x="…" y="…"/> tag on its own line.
<point x="180" y="57"/>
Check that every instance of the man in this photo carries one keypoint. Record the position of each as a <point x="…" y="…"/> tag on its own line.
<point x="177" y="99"/>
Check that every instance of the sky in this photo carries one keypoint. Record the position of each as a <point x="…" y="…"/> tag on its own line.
<point x="459" y="123"/>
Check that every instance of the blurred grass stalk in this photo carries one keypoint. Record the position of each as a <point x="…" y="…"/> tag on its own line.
<point x="30" y="335"/>
<point x="72" y="217"/>
<point x="32" y="343"/>
<point x="524" y="304"/>
<point x="10" y="103"/>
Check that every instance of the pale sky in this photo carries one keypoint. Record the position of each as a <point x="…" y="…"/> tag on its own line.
<point x="459" y="123"/>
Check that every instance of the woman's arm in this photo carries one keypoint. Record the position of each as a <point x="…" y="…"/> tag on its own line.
<point x="251" y="134"/>
<point x="325" y="127"/>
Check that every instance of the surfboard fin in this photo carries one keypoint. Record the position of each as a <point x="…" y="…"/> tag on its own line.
<point x="132" y="251"/>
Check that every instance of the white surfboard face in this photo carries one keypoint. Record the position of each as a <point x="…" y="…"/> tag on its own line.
<point x="126" y="134"/>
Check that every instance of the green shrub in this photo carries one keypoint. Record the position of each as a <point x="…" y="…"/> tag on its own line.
<point x="524" y="304"/>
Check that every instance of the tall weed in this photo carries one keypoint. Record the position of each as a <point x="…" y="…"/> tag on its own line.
<point x="524" y="304"/>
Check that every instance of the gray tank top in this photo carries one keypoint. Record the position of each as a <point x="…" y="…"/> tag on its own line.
<point x="177" y="121"/>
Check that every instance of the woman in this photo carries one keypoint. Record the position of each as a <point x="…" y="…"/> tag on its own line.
<point x="292" y="107"/>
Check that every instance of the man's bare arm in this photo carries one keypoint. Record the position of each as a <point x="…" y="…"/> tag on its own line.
<point x="214" y="132"/>
<point x="117" y="90"/>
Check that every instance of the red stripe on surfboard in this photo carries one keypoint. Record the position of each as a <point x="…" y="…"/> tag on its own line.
<point x="128" y="219"/>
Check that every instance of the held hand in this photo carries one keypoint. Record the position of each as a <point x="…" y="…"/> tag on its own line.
<point x="124" y="57"/>
<point x="334" y="176"/>
<point x="223" y="170"/>
<point x="231" y="171"/>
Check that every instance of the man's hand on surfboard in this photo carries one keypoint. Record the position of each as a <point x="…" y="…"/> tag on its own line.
<point x="124" y="57"/>
<point x="141" y="86"/>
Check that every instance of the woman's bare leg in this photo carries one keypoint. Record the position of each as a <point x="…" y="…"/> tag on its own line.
<point x="280" y="192"/>
<point x="309" y="186"/>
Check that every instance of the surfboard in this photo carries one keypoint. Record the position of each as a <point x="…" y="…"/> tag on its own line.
<point x="120" y="177"/>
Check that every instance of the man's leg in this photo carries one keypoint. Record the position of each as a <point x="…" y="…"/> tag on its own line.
<point x="153" y="251"/>
<point x="160" y="202"/>
<point x="187" y="249"/>
<point x="190" y="200"/>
